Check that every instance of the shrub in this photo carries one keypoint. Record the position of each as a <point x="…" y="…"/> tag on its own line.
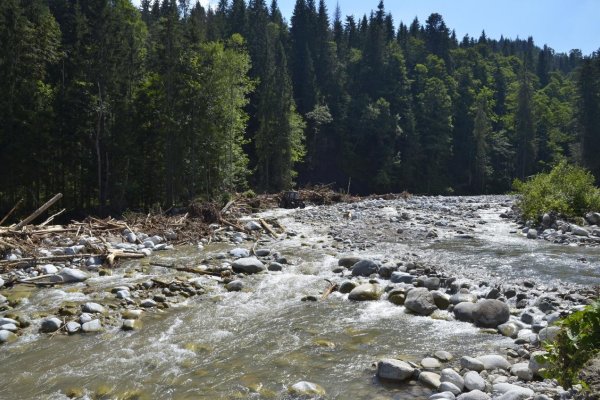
<point x="577" y="342"/>
<point x="567" y="190"/>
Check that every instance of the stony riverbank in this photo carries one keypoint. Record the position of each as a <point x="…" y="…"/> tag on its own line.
<point x="359" y="237"/>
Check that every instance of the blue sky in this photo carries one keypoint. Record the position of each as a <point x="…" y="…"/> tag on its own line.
<point x="561" y="24"/>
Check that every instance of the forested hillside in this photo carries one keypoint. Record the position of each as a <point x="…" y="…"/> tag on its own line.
<point x="123" y="108"/>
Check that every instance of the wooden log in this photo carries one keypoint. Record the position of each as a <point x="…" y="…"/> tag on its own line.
<point x="267" y="228"/>
<point x="332" y="288"/>
<point x="46" y="222"/>
<point x="11" y="211"/>
<point x="39" y="211"/>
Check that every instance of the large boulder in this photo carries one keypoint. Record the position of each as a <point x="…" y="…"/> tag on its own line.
<point x="51" y="324"/>
<point x="420" y="301"/>
<point x="490" y="313"/>
<point x="365" y="268"/>
<point x="248" y="265"/>
<point x="394" y="370"/>
<point x="464" y="311"/>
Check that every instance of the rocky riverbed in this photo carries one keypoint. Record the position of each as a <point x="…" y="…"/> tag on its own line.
<point x="424" y="297"/>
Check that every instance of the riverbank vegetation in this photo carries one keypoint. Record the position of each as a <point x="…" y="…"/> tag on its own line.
<point x="124" y="108"/>
<point x="577" y="342"/>
<point x="567" y="190"/>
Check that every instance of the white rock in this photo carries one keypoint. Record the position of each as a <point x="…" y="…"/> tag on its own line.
<point x="494" y="361"/>
<point x="522" y="371"/>
<point x="92" y="326"/>
<point x="451" y="376"/>
<point x="394" y="370"/>
<point x="474" y="381"/>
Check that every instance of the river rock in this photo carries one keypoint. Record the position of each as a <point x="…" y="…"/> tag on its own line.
<point x="490" y="313"/>
<point x="505" y="388"/>
<point x="549" y="334"/>
<point x="474" y="395"/>
<point x="494" y="361"/>
<point x="441" y="300"/>
<point x="262" y="252"/>
<point x="123" y="294"/>
<point x="51" y="324"/>
<point x="365" y="292"/>
<point x="347" y="286"/>
<point x="420" y="301"/>
<point x="401" y="277"/>
<point x="449" y="387"/>
<point x="93" y="308"/>
<point x="85" y="317"/>
<point x="430" y="379"/>
<point x="474" y="381"/>
<point x="131" y="324"/>
<point x="545" y="304"/>
<point x="509" y="329"/>
<point x="443" y="355"/>
<point x="579" y="231"/>
<point x="593" y="218"/>
<point x="1" y="282"/>
<point x="9" y="327"/>
<point x="394" y="370"/>
<point x="430" y="363"/>
<point x="6" y="321"/>
<point x="537" y="364"/>
<point x="443" y="396"/>
<point x="234" y="286"/>
<point x="248" y="265"/>
<point x="451" y="376"/>
<point x="365" y="268"/>
<point x="522" y="371"/>
<point x="48" y="269"/>
<point x="471" y="363"/>
<point x="464" y="311"/>
<point x="70" y="275"/>
<point x="275" y="266"/>
<point x="92" y="326"/>
<point x="432" y="283"/>
<point x="131" y="314"/>
<point x="148" y="303"/>
<point x="72" y="327"/>
<point x="253" y="226"/>
<point x="7" y="336"/>
<point x="239" y="253"/>
<point x="348" y="262"/>
<point x="462" y="297"/>
<point x="308" y="389"/>
<point x="532" y="234"/>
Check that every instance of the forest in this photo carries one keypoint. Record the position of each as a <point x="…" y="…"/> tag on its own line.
<point x="124" y="108"/>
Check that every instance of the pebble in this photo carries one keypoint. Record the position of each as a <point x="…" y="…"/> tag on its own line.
<point x="72" y="327"/>
<point x="51" y="324"/>
<point x="430" y="363"/>
<point x="474" y="381"/>
<point x="148" y="303"/>
<point x="94" y="308"/>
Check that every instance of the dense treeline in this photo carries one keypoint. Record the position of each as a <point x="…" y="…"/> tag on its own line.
<point x="119" y="107"/>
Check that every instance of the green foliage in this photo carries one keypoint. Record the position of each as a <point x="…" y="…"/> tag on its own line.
<point x="577" y="342"/>
<point x="566" y="190"/>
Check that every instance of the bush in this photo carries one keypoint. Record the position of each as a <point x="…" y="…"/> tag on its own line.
<point x="567" y="190"/>
<point x="577" y="342"/>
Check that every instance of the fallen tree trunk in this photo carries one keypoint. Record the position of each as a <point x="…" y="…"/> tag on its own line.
<point x="39" y="211"/>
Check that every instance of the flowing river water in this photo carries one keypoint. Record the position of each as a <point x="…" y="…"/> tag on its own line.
<point x="255" y="343"/>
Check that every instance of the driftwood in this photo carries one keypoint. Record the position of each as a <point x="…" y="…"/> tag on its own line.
<point x="11" y="211"/>
<point x="182" y="268"/>
<point x="332" y="288"/>
<point x="46" y="222"/>
<point x="267" y="228"/>
<point x="39" y="211"/>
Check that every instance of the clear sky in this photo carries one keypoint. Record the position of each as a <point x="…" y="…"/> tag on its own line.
<point x="561" y="24"/>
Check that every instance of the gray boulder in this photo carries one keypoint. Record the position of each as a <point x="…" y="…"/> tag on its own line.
<point x="93" y="308"/>
<point x="365" y="268"/>
<point x="474" y="381"/>
<point x="494" y="361"/>
<point x="239" y="253"/>
<point x="248" y="265"/>
<point x="394" y="370"/>
<point x="430" y="379"/>
<point x="549" y="334"/>
<point x="522" y="371"/>
<point x="441" y="300"/>
<point x="51" y="324"/>
<point x="443" y="396"/>
<point x="474" y="395"/>
<point x="490" y="313"/>
<point x="70" y="275"/>
<point x="471" y="363"/>
<point x="420" y="301"/>
<point x="449" y="387"/>
<point x="72" y="327"/>
<point x="401" y="277"/>
<point x="365" y="292"/>
<point x="432" y="283"/>
<point x="500" y="389"/>
<point x="464" y="311"/>
<point x="348" y="262"/>
<point x="234" y="286"/>
<point x="347" y="286"/>
<point x="92" y="326"/>
<point x="451" y="376"/>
